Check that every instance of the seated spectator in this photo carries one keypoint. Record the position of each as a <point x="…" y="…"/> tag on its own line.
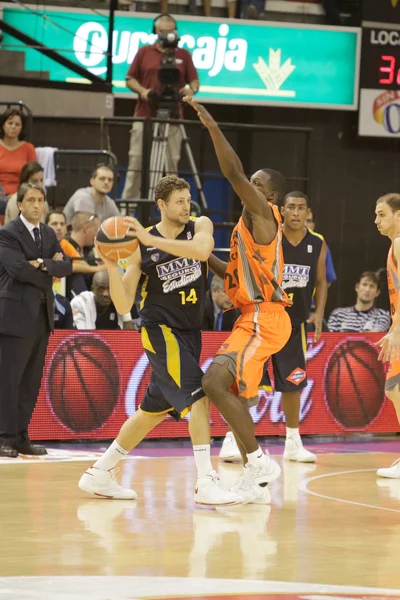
<point x="330" y="269"/>
<point x="14" y="152"/>
<point x="95" y="310"/>
<point x="94" y="199"/>
<point x="62" y="313"/>
<point x="217" y="301"/>
<point x="78" y="245"/>
<point x="31" y="172"/>
<point x="57" y="221"/>
<point x="363" y="316"/>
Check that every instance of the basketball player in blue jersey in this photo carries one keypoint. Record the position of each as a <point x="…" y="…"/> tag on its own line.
<point x="172" y="256"/>
<point x="304" y="273"/>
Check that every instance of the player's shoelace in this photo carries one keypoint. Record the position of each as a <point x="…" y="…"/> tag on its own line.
<point x="216" y="479"/>
<point x="113" y="475"/>
<point x="396" y="462"/>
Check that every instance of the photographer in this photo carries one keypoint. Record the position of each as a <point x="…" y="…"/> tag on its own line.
<point x="144" y="78"/>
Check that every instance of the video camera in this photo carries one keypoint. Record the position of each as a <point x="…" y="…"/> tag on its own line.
<point x="168" y="75"/>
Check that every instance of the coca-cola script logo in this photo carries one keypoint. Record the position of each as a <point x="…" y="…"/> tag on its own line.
<point x="268" y="401"/>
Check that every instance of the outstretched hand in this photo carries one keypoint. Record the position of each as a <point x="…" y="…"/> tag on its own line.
<point x="202" y="113"/>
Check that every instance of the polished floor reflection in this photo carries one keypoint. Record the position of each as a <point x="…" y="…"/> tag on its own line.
<point x="332" y="523"/>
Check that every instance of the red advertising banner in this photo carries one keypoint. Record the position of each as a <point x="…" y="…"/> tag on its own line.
<point x="94" y="380"/>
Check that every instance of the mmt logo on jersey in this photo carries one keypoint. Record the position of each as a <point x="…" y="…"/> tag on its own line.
<point x="295" y="276"/>
<point x="178" y="272"/>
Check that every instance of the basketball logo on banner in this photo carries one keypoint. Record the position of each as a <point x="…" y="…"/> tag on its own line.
<point x="83" y="382"/>
<point x="354" y="383"/>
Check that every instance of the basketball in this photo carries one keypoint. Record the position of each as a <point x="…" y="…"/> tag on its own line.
<point x="354" y="383"/>
<point x="113" y="241"/>
<point x="83" y="383"/>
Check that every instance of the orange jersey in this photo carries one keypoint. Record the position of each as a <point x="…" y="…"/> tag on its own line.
<point x="69" y="249"/>
<point x="254" y="271"/>
<point x="393" y="282"/>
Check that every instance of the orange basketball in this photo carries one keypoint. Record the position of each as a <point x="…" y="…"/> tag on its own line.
<point x="113" y="241"/>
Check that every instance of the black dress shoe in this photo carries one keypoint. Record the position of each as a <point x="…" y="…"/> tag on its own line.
<point x="30" y="450"/>
<point x="8" y="452"/>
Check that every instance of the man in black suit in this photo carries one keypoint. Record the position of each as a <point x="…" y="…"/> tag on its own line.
<point x="217" y="301"/>
<point x="30" y="256"/>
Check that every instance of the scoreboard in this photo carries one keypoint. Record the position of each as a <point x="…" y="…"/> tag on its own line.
<point x="379" y="113"/>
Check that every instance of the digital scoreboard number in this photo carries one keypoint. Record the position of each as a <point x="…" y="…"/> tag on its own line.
<point x="379" y="113"/>
<point x="380" y="59"/>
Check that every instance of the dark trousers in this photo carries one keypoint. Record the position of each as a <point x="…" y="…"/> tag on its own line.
<point x="21" y="369"/>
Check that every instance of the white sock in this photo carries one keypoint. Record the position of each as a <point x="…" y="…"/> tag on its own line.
<point x="292" y="432"/>
<point x="202" y="459"/>
<point x="256" y="458"/>
<point x="111" y="457"/>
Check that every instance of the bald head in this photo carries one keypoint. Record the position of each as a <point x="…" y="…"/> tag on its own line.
<point x="101" y="289"/>
<point x="101" y="278"/>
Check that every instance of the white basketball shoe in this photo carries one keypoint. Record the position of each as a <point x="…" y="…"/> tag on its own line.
<point x="103" y="484"/>
<point x="295" y="451"/>
<point x="211" y="492"/>
<point x="229" y="450"/>
<point x="392" y="472"/>
<point x="252" y="484"/>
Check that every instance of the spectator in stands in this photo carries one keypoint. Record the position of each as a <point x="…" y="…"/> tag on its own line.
<point x="62" y="312"/>
<point x="95" y="310"/>
<point x="14" y="152"/>
<point x="363" y="316"/>
<point x="31" y="172"/>
<point x="217" y="302"/>
<point x="251" y="9"/>
<point x="94" y="199"/>
<point x="78" y="245"/>
<point x="330" y="269"/>
<point x="57" y="221"/>
<point x="142" y="78"/>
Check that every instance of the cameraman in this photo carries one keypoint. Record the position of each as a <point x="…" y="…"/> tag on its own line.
<point x="142" y="78"/>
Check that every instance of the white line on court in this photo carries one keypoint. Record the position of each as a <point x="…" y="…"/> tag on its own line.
<point x="303" y="487"/>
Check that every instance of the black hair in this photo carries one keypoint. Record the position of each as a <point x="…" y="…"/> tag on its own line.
<point x="296" y="195"/>
<point x="277" y="182"/>
<point x="13" y="112"/>
<point x="55" y="212"/>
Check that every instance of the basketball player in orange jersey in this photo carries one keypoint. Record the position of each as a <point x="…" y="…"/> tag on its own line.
<point x="252" y="282"/>
<point x="172" y="255"/>
<point x="388" y="223"/>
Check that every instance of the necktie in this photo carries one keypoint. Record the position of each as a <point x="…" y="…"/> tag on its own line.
<point x="218" y="325"/>
<point x="38" y="241"/>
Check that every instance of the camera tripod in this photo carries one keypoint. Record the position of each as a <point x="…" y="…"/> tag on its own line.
<point x="160" y="159"/>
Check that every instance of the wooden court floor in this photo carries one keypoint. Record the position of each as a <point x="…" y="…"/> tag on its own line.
<point x="333" y="523"/>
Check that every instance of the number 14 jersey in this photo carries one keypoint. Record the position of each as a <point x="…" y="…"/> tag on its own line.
<point x="173" y="288"/>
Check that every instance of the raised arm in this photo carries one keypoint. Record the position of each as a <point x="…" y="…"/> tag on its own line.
<point x="232" y="167"/>
<point x="123" y="288"/>
<point x="199" y="248"/>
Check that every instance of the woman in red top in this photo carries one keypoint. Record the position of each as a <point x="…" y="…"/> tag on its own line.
<point x="14" y="152"/>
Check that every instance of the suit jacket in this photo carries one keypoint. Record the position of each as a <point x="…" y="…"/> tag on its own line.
<point x="22" y="287"/>
<point x="228" y="318"/>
